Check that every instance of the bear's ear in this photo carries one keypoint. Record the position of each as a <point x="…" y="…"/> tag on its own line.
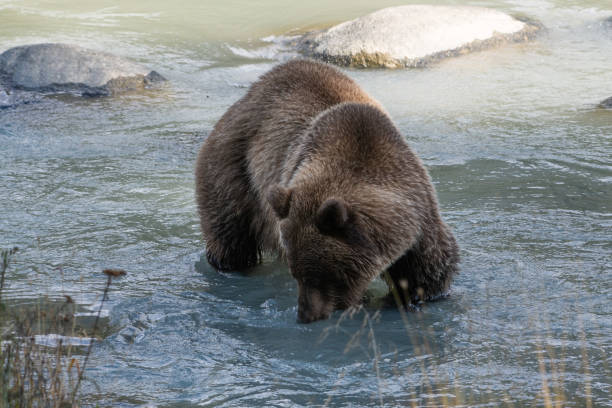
<point x="280" y="200"/>
<point x="333" y="216"/>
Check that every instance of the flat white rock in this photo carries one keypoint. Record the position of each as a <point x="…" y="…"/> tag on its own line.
<point x="410" y="35"/>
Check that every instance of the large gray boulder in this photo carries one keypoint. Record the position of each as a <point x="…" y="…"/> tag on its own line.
<point x="63" y="67"/>
<point x="414" y="35"/>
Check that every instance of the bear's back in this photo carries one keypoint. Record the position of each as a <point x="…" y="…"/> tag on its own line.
<point x="308" y="83"/>
<point x="283" y="104"/>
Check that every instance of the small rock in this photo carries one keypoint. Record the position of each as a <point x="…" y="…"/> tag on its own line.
<point x="5" y="100"/>
<point x="63" y="67"/>
<point x="606" y="103"/>
<point x="131" y="334"/>
<point x="12" y="98"/>
<point x="414" y="36"/>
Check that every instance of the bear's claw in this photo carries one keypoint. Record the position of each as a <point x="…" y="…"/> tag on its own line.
<point x="212" y="260"/>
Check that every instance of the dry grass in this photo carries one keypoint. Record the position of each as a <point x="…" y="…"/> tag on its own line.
<point x="424" y="384"/>
<point x="37" y="368"/>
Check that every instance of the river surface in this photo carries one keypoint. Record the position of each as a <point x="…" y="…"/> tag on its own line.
<point x="520" y="154"/>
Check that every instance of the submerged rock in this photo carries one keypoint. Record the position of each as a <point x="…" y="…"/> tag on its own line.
<point x="63" y="67"/>
<point x="606" y="103"/>
<point x="12" y="98"/>
<point x="415" y="35"/>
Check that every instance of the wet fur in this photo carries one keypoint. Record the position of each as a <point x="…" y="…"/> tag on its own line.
<point x="306" y="164"/>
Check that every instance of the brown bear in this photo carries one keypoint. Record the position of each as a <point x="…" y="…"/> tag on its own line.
<point x="308" y="165"/>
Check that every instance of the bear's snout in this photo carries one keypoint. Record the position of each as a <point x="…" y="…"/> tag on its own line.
<point x="312" y="305"/>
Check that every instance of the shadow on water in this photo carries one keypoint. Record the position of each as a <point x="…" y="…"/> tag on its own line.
<point x="241" y="333"/>
<point x="349" y="348"/>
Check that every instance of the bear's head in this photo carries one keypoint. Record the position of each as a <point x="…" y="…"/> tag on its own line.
<point x="330" y="249"/>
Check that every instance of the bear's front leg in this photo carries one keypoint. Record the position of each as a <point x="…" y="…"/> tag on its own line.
<point x="233" y="259"/>
<point x="426" y="270"/>
<point x="401" y="278"/>
<point x="230" y="246"/>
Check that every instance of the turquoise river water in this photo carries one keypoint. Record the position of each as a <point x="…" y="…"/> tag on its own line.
<point x="519" y="152"/>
